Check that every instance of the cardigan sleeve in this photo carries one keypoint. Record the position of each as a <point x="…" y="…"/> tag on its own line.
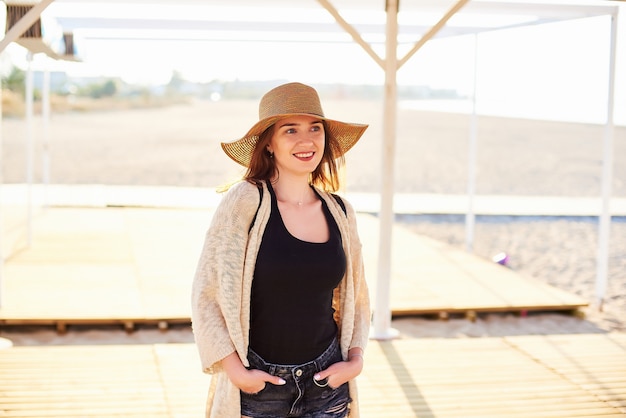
<point x="217" y="284"/>
<point x="362" y="313"/>
<point x="351" y="297"/>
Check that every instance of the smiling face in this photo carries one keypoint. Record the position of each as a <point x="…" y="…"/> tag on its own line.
<point x="297" y="144"/>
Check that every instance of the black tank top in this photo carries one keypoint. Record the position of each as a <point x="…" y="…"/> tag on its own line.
<point x="291" y="317"/>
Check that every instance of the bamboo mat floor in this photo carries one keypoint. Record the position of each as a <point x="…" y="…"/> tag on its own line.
<point x="562" y="376"/>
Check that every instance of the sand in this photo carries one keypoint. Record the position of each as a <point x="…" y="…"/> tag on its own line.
<point x="179" y="146"/>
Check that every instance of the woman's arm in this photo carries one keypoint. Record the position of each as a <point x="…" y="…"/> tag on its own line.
<point x="250" y="381"/>
<point x="344" y="371"/>
<point x="217" y="285"/>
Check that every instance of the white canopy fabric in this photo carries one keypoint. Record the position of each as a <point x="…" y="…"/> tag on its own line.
<point x="393" y="22"/>
<point x="416" y="16"/>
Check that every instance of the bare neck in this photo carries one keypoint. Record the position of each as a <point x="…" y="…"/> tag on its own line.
<point x="295" y="190"/>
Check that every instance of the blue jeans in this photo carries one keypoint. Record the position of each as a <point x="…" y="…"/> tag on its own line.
<point x="301" y="396"/>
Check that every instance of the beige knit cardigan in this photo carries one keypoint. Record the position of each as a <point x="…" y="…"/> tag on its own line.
<point x="222" y="286"/>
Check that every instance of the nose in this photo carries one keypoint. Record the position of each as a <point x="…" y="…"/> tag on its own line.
<point x="307" y="138"/>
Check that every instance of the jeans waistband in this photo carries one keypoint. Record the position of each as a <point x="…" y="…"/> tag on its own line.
<point x="313" y="366"/>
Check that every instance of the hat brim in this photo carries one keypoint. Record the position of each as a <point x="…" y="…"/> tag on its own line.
<point x="241" y="150"/>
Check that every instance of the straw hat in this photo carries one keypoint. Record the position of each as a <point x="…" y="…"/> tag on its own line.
<point x="289" y="100"/>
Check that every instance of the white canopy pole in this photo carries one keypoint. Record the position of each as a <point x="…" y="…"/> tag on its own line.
<point x="30" y="149"/>
<point x="470" y="217"/>
<point x="1" y="210"/>
<point x="11" y="35"/>
<point x="45" y="116"/>
<point x="433" y="31"/>
<point x="604" y="228"/>
<point x="382" y="310"/>
<point x="356" y="36"/>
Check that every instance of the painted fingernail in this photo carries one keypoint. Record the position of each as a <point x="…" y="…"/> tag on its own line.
<point x="317" y="377"/>
<point x="281" y="381"/>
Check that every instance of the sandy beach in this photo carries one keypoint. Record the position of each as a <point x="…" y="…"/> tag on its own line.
<point x="179" y="146"/>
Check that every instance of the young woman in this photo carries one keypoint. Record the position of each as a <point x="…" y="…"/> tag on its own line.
<point x="280" y="306"/>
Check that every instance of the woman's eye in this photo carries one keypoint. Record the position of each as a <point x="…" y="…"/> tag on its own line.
<point x="290" y="131"/>
<point x="316" y="128"/>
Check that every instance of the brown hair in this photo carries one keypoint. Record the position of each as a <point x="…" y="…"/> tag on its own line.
<point x="325" y="176"/>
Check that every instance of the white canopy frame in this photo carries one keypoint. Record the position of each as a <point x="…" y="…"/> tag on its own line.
<point x="12" y="35"/>
<point x="391" y="64"/>
<point x="382" y="311"/>
<point x="604" y="229"/>
<point x="604" y="224"/>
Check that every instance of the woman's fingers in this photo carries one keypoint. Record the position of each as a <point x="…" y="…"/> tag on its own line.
<point x="266" y="377"/>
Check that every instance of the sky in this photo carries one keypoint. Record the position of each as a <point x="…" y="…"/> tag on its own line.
<point x="565" y="63"/>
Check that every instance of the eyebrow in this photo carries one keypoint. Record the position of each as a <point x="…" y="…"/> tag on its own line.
<point x="298" y="124"/>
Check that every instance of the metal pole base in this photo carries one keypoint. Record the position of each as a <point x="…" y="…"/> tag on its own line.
<point x="4" y="343"/>
<point x="388" y="334"/>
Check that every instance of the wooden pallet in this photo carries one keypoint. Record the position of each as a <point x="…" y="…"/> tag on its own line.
<point x="129" y="266"/>
<point x="119" y="266"/>
<point x="432" y="278"/>
<point x="561" y="376"/>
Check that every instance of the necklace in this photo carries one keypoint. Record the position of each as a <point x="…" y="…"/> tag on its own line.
<point x="303" y="199"/>
<point x="298" y="203"/>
